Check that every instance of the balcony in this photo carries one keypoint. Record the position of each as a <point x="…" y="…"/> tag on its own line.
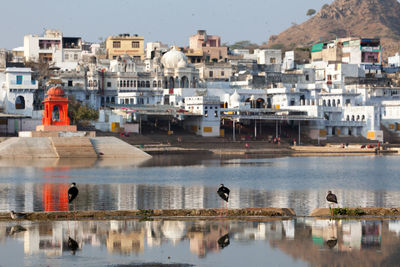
<point x="32" y="84"/>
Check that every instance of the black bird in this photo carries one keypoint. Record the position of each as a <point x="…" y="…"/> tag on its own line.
<point x="72" y="192"/>
<point x="331" y="242"/>
<point x="223" y="192"/>
<point x="331" y="198"/>
<point x="223" y="241"/>
<point x="17" y="215"/>
<point x="72" y="245"/>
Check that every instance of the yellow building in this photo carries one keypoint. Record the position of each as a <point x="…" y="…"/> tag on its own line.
<point x="123" y="44"/>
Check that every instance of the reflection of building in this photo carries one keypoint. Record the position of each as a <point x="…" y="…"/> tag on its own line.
<point x="351" y="235"/>
<point x="125" y="242"/>
<point x="204" y="238"/>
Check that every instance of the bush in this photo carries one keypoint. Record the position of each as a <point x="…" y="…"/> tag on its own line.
<point x="80" y="113"/>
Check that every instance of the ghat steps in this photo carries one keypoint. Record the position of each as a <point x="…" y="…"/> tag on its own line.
<point x="68" y="147"/>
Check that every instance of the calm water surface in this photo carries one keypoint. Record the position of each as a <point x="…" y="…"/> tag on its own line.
<point x="174" y="182"/>
<point x="300" y="242"/>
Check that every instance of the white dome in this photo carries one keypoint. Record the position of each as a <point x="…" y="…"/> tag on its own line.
<point x="174" y="59"/>
<point x="234" y="100"/>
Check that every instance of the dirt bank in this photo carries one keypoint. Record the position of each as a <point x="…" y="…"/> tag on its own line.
<point x="356" y="212"/>
<point x="126" y="214"/>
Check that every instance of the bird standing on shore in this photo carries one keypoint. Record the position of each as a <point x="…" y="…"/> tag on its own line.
<point x="332" y="200"/>
<point x="223" y="192"/>
<point x="17" y="215"/>
<point x="72" y="192"/>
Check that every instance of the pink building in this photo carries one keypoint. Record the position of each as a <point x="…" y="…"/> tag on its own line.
<point x="210" y="45"/>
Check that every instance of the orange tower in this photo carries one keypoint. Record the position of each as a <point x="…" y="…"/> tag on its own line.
<point x="55" y="108"/>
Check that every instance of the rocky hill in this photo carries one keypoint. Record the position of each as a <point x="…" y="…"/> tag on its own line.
<point x="343" y="18"/>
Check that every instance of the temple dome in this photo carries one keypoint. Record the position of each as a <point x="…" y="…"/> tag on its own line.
<point x="174" y="59"/>
<point x="55" y="91"/>
<point x="234" y="100"/>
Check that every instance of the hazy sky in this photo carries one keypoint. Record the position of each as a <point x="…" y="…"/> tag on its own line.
<point x="169" y="21"/>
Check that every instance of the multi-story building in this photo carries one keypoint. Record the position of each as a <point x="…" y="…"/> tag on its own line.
<point x="351" y="50"/>
<point x="52" y="47"/>
<point x="131" y="45"/>
<point x="209" y="45"/>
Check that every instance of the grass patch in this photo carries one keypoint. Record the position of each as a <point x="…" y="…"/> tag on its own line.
<point x="145" y="213"/>
<point x="349" y="212"/>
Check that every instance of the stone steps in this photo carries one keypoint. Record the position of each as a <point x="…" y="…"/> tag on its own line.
<point x="73" y="147"/>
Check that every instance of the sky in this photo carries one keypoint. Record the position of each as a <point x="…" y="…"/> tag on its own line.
<point x="168" y="21"/>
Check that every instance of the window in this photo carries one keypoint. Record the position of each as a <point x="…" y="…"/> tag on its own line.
<point x="272" y="60"/>
<point x="147" y="84"/>
<point x="135" y="44"/>
<point x="216" y="113"/>
<point x="222" y="73"/>
<point x="116" y="44"/>
<point x="75" y="56"/>
<point x="307" y="77"/>
<point x="19" y="79"/>
<point x="87" y="97"/>
<point x="95" y="83"/>
<point x="108" y="84"/>
<point x="211" y="74"/>
<point x="206" y="113"/>
<point x="20" y="103"/>
<point x="69" y="83"/>
<point x="66" y="56"/>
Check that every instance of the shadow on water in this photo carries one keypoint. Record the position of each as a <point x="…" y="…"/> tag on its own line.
<point x="303" y="241"/>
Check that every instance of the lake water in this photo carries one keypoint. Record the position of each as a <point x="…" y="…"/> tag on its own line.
<point x="175" y="182"/>
<point x="298" y="242"/>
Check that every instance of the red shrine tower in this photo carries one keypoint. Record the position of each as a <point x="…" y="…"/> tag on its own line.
<point x="55" y="107"/>
<point x="56" y="112"/>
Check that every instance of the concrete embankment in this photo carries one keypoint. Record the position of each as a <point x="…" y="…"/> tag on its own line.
<point x="68" y="147"/>
<point x="154" y="213"/>
<point x="355" y="212"/>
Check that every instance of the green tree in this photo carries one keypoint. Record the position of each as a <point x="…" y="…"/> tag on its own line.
<point x="81" y="114"/>
<point x="311" y="12"/>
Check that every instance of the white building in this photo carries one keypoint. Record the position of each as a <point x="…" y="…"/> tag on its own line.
<point x="52" y="47"/>
<point x="208" y="124"/>
<point x="18" y="92"/>
<point x="268" y="56"/>
<point x="394" y="61"/>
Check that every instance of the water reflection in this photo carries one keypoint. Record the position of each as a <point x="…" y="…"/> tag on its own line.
<point x="317" y="242"/>
<point x="54" y="197"/>
<point x="176" y="182"/>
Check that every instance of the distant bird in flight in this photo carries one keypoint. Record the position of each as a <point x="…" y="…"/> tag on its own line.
<point x="331" y="198"/>
<point x="223" y="192"/>
<point x="72" y="192"/>
<point x="17" y="215"/>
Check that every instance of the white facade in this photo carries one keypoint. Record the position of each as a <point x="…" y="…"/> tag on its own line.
<point x="64" y="52"/>
<point x="394" y="61"/>
<point x="268" y="56"/>
<point x="208" y="124"/>
<point x="19" y="91"/>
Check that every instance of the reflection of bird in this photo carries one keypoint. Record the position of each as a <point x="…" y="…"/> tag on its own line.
<point x="331" y="243"/>
<point x="17" y="229"/>
<point x="72" y="192"/>
<point x="223" y="241"/>
<point x="17" y="215"/>
<point x="72" y="245"/>
<point x="331" y="198"/>
<point x="223" y="192"/>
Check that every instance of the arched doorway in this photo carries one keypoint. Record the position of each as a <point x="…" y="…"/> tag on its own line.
<point x="55" y="114"/>
<point x="260" y="103"/>
<point x="20" y="102"/>
<point x="184" y="82"/>
<point x="171" y="83"/>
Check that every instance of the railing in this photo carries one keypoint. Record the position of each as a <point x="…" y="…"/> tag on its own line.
<point x="345" y="123"/>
